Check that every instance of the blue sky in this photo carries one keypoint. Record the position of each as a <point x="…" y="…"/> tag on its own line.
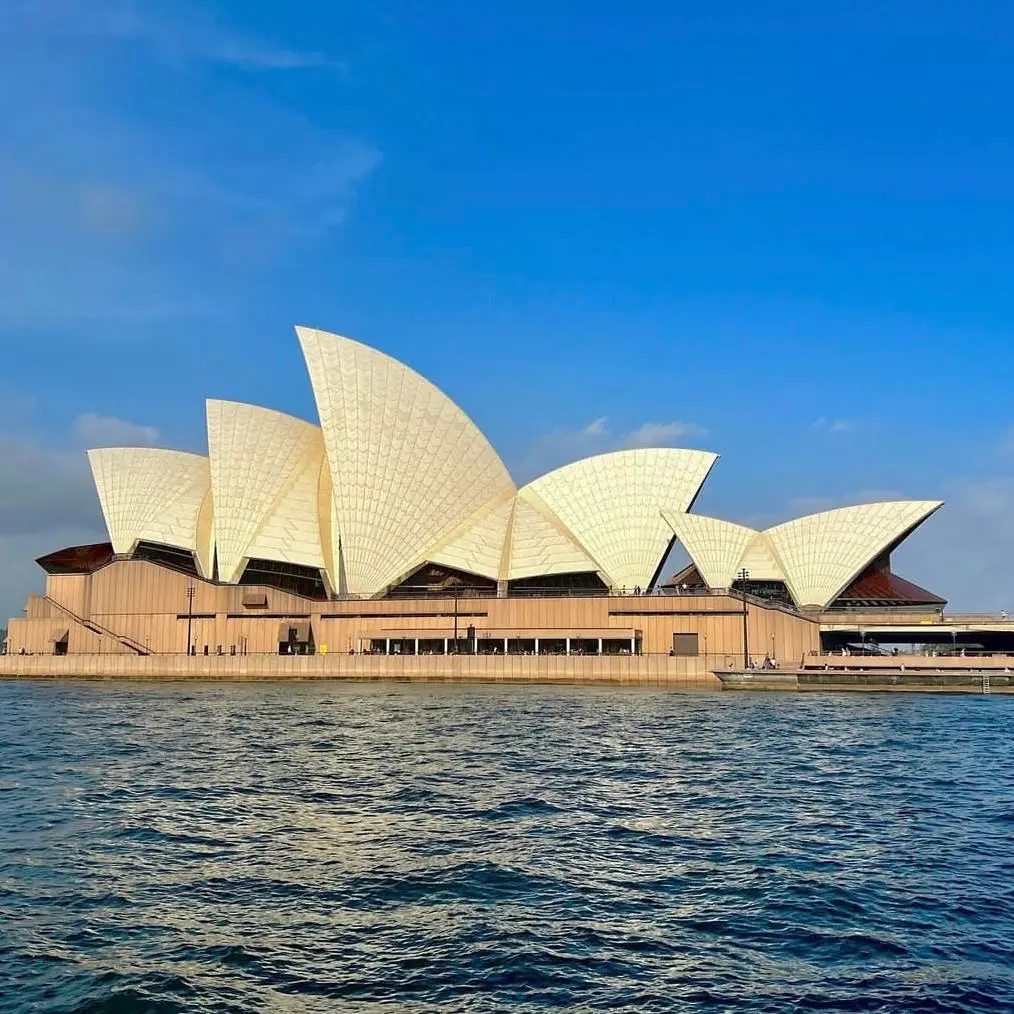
<point x="783" y="232"/>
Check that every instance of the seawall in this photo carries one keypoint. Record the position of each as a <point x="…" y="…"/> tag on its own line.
<point x="654" y="670"/>
<point x="967" y="680"/>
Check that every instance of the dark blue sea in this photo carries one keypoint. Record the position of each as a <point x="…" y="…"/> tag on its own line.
<point x="311" y="848"/>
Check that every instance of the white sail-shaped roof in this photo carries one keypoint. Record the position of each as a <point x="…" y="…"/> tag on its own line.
<point x="408" y="467"/>
<point x="715" y="546"/>
<point x="611" y="504"/>
<point x="265" y="467"/>
<point x="539" y="546"/>
<point x="478" y="548"/>
<point x="822" y="553"/>
<point x="760" y="561"/>
<point x="154" y="495"/>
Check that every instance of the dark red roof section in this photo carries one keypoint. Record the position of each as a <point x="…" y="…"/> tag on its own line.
<point x="77" y="559"/>
<point x="883" y="586"/>
<point x="689" y="575"/>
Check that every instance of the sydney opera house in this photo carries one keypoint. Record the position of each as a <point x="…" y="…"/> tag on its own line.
<point x="392" y="526"/>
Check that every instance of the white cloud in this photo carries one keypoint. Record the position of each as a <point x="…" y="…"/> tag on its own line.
<point x="833" y="425"/>
<point x="564" y="446"/>
<point x="92" y="430"/>
<point x="20" y="576"/>
<point x="1006" y="447"/>
<point x="176" y="32"/>
<point x="662" y="434"/>
<point x="43" y="489"/>
<point x="146" y="216"/>
<point x="965" y="552"/>
<point x="48" y="501"/>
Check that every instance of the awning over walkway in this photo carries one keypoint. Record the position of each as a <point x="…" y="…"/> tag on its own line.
<point x="294" y="631"/>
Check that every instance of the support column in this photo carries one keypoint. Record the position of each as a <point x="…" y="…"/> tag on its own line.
<point x="417" y="645"/>
<point x="600" y="645"/>
<point x="568" y="645"/>
<point x="633" y="643"/>
<point x="536" y="646"/>
<point x="445" y="645"/>
<point x="387" y="646"/>
<point x="505" y="645"/>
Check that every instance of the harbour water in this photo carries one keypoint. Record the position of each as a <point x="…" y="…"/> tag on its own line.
<point x="331" y="847"/>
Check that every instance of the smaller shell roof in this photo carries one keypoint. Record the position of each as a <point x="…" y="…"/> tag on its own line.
<point x="265" y="468"/>
<point x="717" y="547"/>
<point x="611" y="504"/>
<point x="821" y="553"/>
<point x="817" y="555"/>
<point x="153" y="494"/>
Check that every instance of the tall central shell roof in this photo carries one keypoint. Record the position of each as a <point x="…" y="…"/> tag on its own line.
<point x="407" y="465"/>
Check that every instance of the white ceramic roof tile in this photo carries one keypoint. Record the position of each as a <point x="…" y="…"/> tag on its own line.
<point x="715" y="546"/>
<point x="291" y="530"/>
<point x="538" y="547"/>
<point x="612" y="504"/>
<point x="408" y="466"/>
<point x="264" y="470"/>
<point x="760" y="562"/>
<point x="151" y="494"/>
<point x="479" y="547"/>
<point x="822" y="553"/>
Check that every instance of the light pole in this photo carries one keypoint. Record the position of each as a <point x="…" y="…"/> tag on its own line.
<point x="455" y="621"/>
<point x="190" y="612"/>
<point x="743" y="575"/>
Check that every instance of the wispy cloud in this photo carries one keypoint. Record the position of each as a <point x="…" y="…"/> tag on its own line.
<point x="179" y="32"/>
<point x="1007" y="442"/>
<point x="652" y="434"/>
<point x="127" y="213"/>
<point x="833" y="425"/>
<point x="596" y="437"/>
<point x="964" y="552"/>
<point x="92" y="430"/>
<point x="47" y="498"/>
<point x="42" y="488"/>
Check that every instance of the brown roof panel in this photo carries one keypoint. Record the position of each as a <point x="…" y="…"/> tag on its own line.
<point x="883" y="586"/>
<point x="77" y="559"/>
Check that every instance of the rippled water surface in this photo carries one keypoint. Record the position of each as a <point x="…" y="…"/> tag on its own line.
<point x="305" y="848"/>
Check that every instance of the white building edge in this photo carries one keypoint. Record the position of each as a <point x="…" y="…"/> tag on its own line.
<point x="398" y="478"/>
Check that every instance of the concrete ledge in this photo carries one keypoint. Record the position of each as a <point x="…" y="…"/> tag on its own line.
<point x="659" y="670"/>
<point x="969" y="681"/>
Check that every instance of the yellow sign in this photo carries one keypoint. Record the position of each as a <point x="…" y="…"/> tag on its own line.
<point x="323" y="649"/>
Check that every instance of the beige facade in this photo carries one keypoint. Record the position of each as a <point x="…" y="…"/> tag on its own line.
<point x="136" y="607"/>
